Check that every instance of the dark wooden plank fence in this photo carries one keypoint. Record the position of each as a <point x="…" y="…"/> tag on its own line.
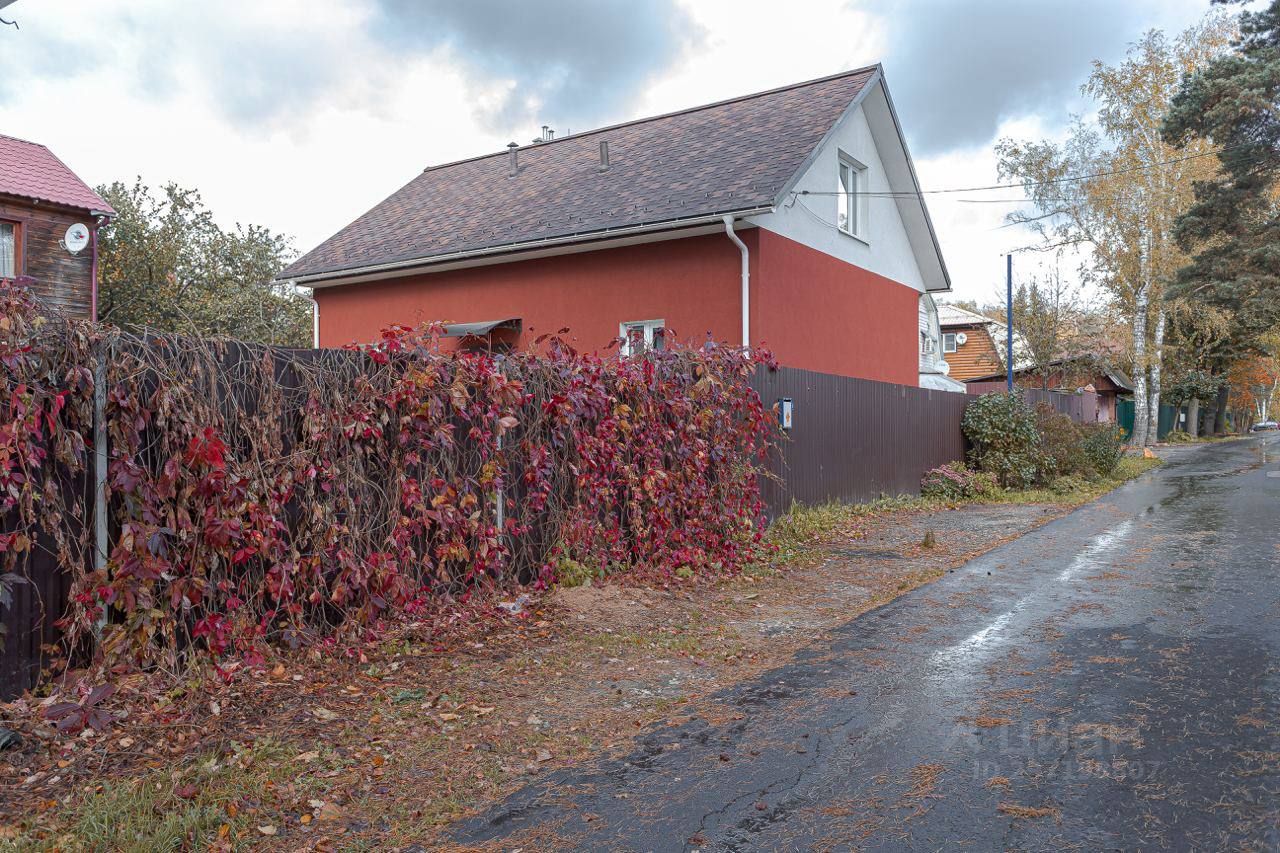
<point x="855" y="439"/>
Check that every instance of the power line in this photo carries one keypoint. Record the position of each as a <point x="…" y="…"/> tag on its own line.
<point x="1020" y="185"/>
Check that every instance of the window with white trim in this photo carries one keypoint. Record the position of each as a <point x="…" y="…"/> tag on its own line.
<point x="8" y="250"/>
<point x="851" y="196"/>
<point x="643" y="336"/>
<point x="949" y="342"/>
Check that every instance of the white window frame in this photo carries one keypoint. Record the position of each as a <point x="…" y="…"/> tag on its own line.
<point x="852" y="205"/>
<point x="949" y="336"/>
<point x="648" y="327"/>
<point x="15" y="241"/>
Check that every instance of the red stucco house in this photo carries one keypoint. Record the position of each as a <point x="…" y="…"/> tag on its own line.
<point x="788" y="217"/>
<point x="49" y="221"/>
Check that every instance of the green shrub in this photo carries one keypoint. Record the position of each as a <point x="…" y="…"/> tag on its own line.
<point x="570" y="572"/>
<point x="954" y="482"/>
<point x="1061" y="446"/>
<point x="1067" y="484"/>
<point x="1006" y="443"/>
<point x="1103" y="447"/>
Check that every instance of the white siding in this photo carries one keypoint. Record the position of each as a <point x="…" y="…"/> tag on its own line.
<point x="811" y="220"/>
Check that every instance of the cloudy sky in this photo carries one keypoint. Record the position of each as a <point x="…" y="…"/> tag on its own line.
<point x="301" y="114"/>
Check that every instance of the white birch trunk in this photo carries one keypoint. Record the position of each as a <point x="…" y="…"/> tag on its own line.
<point x="1141" y="414"/>
<point x="1153" y="425"/>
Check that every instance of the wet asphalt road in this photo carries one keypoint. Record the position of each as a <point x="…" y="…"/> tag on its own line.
<point x="1109" y="681"/>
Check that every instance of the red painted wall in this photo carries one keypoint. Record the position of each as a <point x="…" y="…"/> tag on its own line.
<point x="692" y="283"/>
<point x="815" y="311"/>
<point x="820" y="313"/>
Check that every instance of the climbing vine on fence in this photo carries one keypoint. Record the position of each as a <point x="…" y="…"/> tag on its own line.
<point x="261" y="495"/>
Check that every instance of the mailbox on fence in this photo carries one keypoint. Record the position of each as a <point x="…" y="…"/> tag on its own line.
<point x="784" y="412"/>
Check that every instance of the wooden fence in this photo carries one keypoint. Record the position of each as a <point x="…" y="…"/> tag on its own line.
<point x="855" y="439"/>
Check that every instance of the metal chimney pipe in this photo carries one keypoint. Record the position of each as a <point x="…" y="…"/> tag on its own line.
<point x="604" y="156"/>
<point x="512" y="165"/>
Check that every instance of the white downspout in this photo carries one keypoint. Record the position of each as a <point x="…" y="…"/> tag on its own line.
<point x="746" y="280"/>
<point x="315" y="321"/>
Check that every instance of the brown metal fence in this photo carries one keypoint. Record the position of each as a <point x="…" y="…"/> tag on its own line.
<point x="1081" y="407"/>
<point x="855" y="439"/>
<point x="39" y="600"/>
<point x="851" y="440"/>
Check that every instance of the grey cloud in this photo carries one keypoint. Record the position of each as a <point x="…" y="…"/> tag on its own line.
<point x="40" y="49"/>
<point x="957" y="69"/>
<point x="581" y="60"/>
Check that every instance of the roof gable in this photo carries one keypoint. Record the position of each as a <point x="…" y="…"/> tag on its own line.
<point x="30" y="170"/>
<point x="729" y="157"/>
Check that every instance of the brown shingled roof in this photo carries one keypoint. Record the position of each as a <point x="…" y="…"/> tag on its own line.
<point x="726" y="157"/>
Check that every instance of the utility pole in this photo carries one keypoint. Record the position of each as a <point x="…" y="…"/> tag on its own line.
<point x="1008" y="321"/>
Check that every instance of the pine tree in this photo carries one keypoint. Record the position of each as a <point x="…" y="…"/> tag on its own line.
<point x="1234" y="103"/>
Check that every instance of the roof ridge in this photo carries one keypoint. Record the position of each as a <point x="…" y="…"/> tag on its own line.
<point x="686" y="110"/>
<point x="24" y="141"/>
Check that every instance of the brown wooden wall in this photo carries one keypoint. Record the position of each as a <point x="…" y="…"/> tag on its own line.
<point x="855" y="439"/>
<point x="62" y="280"/>
<point x="977" y="356"/>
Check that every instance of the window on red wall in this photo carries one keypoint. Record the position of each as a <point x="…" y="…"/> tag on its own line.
<point x="8" y="249"/>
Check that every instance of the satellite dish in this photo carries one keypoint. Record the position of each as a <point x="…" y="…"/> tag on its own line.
<point x="961" y="339"/>
<point x="76" y="239"/>
<point x="943" y="367"/>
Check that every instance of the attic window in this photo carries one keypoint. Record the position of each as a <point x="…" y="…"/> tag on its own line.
<point x="851" y="196"/>
<point x="949" y="342"/>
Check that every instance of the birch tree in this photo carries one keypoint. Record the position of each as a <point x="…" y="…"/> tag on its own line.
<point x="1114" y="188"/>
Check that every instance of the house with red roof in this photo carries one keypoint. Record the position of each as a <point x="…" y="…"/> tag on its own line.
<point x="790" y="218"/>
<point x="49" y="222"/>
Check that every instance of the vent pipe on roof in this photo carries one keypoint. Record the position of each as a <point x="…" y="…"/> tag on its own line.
<point x="512" y="165"/>
<point x="604" y="155"/>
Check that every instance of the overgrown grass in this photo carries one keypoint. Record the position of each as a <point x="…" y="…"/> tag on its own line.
<point x="1076" y="491"/>
<point x="798" y="534"/>
<point x="210" y="799"/>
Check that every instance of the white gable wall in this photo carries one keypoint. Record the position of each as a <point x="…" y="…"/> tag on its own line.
<point x="811" y="219"/>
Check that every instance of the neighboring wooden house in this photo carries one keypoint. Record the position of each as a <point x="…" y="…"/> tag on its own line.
<point x="934" y="370"/>
<point x="790" y="217"/>
<point x="48" y="227"/>
<point x="1066" y="375"/>
<point x="973" y="345"/>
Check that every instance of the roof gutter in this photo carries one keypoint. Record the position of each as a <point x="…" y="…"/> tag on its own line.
<point x="319" y="279"/>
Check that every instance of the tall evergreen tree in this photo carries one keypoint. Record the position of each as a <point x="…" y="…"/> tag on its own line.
<point x="1234" y="103"/>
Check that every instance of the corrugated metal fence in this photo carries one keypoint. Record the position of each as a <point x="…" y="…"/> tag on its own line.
<point x="855" y="439"/>
<point x="851" y="440"/>
<point x="1081" y="407"/>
